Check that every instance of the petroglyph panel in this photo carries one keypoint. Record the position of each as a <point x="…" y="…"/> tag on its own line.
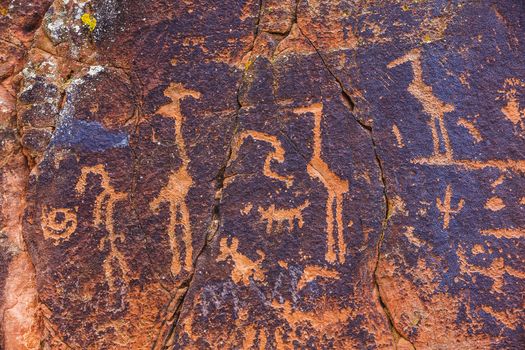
<point x="458" y="243"/>
<point x="292" y="222"/>
<point x="262" y="174"/>
<point x="136" y="147"/>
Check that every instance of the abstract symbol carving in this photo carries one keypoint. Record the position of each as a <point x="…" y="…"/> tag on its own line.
<point x="471" y="128"/>
<point x="432" y="105"/>
<point x="320" y="321"/>
<point x="58" y="224"/>
<point x="335" y="186"/>
<point x="244" y="268"/>
<point x="509" y="233"/>
<point x="179" y="182"/>
<point x="103" y="215"/>
<point x="276" y="155"/>
<point x="445" y="206"/>
<point x="512" y="110"/>
<point x="273" y="214"/>
<point x="399" y="137"/>
<point x="312" y="272"/>
<point x="494" y="203"/>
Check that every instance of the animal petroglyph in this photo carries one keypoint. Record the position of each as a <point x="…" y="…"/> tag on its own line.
<point x="244" y="268"/>
<point x="495" y="271"/>
<point x="432" y="105"/>
<point x="437" y="109"/>
<point x="179" y="182"/>
<point x="58" y="224"/>
<point x="277" y="154"/>
<point x="444" y="206"/>
<point x="280" y="216"/>
<point x="318" y="169"/>
<point x="103" y="216"/>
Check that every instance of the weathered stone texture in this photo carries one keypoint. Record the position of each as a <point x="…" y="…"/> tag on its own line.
<point x="248" y="174"/>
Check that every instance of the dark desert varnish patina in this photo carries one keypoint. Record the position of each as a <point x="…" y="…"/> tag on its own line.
<point x="262" y="174"/>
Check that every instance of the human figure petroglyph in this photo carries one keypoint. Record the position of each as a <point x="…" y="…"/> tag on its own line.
<point x="103" y="216"/>
<point x="58" y="224"/>
<point x="277" y="154"/>
<point x="432" y="105"/>
<point x="252" y="333"/>
<point x="335" y="186"/>
<point x="280" y="216"/>
<point x="174" y="193"/>
<point x="244" y="268"/>
<point x="444" y="206"/>
<point x="179" y="182"/>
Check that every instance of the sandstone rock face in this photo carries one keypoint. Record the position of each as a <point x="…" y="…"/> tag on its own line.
<point x="245" y="174"/>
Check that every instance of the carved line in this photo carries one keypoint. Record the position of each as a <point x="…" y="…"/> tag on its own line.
<point x="318" y="169"/>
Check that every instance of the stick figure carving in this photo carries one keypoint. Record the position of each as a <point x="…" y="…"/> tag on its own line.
<point x="444" y="206"/>
<point x="103" y="216"/>
<point x="179" y="182"/>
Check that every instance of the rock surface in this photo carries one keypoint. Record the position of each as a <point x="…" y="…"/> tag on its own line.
<point x="262" y="174"/>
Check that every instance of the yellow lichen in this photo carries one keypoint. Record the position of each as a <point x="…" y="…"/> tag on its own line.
<point x="427" y="39"/>
<point x="3" y="11"/>
<point x="89" y="21"/>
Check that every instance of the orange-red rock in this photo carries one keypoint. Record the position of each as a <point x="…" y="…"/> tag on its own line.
<point x="247" y="174"/>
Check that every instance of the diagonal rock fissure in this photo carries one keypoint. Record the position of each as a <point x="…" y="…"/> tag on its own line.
<point x="178" y="301"/>
<point x="180" y="297"/>
<point x="396" y="334"/>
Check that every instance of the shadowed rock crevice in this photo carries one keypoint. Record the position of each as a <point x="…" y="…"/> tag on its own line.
<point x="20" y="312"/>
<point x="348" y="101"/>
<point x="214" y="226"/>
<point x="216" y="219"/>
